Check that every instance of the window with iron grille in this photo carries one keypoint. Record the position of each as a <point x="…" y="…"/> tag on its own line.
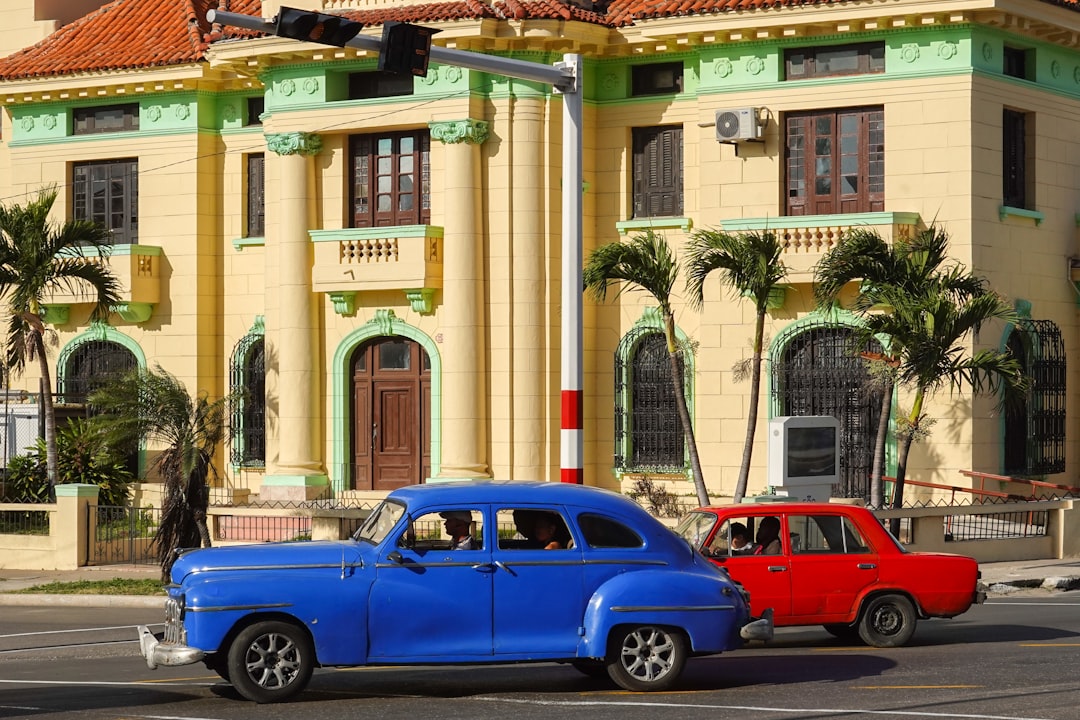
<point x="1035" y="427"/>
<point x="247" y="378"/>
<point x="835" y="161"/>
<point x="90" y="365"/>
<point x="1016" y="188"/>
<point x="256" y="195"/>
<point x="658" y="171"/>
<point x="391" y="179"/>
<point x="820" y="372"/>
<point x="107" y="192"/>
<point x="104" y="119"/>
<point x="648" y="433"/>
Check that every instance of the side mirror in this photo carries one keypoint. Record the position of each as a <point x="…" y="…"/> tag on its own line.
<point x="395" y="556"/>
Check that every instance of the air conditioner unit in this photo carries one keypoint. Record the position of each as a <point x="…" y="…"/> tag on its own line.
<point x="737" y="124"/>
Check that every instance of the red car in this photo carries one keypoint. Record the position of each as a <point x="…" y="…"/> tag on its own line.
<point x="833" y="565"/>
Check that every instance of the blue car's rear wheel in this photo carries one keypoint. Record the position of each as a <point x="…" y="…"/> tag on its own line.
<point x="645" y="658"/>
<point x="271" y="661"/>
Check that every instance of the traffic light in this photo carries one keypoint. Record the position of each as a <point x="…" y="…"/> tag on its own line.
<point x="405" y="48"/>
<point x="315" y="27"/>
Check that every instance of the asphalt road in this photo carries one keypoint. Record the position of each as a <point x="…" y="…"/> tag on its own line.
<point x="1011" y="659"/>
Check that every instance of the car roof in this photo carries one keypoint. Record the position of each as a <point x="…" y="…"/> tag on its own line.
<point x="511" y="491"/>
<point x="782" y="508"/>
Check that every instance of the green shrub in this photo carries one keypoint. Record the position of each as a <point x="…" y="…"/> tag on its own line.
<point x="83" y="457"/>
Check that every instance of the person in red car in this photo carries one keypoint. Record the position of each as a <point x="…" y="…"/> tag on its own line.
<point x="768" y="537"/>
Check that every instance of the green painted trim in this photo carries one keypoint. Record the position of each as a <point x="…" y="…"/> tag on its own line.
<point x="805" y="221"/>
<point x="421" y="300"/>
<point x="112" y="251"/>
<point x="344" y="302"/>
<point x="295" y="480"/>
<point x="652" y="320"/>
<point x="384" y="323"/>
<point x="133" y="312"/>
<point x="77" y="490"/>
<point x="628" y="226"/>
<point x="129" y="137"/>
<point x="1005" y="211"/>
<point x="245" y="242"/>
<point x="57" y="314"/>
<point x="398" y="231"/>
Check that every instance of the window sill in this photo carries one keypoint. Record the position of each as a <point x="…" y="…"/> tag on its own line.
<point x="628" y="226"/>
<point x="240" y="243"/>
<point x="1005" y="211"/>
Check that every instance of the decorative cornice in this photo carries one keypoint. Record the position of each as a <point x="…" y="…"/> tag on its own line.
<point x="453" y="132"/>
<point x="344" y="302"/>
<point x="294" y="143"/>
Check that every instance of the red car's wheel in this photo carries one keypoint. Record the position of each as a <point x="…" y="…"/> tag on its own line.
<point x="887" y="621"/>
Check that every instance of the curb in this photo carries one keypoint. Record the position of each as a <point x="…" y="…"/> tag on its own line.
<point x="1004" y="587"/>
<point x="125" y="601"/>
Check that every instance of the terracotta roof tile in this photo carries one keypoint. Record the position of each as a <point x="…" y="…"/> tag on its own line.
<point x="128" y="34"/>
<point x="121" y="35"/>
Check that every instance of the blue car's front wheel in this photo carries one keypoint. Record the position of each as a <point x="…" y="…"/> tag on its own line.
<point x="271" y="661"/>
<point x="646" y="658"/>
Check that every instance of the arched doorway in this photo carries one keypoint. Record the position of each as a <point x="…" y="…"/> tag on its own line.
<point x="88" y="367"/>
<point x="391" y="414"/>
<point x="819" y="372"/>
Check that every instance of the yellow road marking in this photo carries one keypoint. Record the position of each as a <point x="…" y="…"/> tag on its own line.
<point x="918" y="687"/>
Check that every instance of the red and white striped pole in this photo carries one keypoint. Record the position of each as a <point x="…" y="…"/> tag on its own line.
<point x="572" y="435"/>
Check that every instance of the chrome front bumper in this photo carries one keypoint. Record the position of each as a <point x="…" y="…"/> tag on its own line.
<point x="157" y="653"/>
<point x="760" y="629"/>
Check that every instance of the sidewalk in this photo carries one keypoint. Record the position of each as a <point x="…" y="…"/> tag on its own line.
<point x="1000" y="578"/>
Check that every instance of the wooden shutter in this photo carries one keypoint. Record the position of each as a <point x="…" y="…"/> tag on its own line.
<point x="658" y="172"/>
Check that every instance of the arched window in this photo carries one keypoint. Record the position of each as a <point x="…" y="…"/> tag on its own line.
<point x="1034" y="440"/>
<point x="247" y="378"/>
<point x="819" y="372"/>
<point x="90" y="365"/>
<point x="648" y="433"/>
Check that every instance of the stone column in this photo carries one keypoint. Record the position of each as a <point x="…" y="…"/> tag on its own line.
<point x="298" y="473"/>
<point x="528" y="358"/>
<point x="464" y="410"/>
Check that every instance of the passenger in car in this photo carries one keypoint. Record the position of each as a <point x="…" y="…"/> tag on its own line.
<point x="768" y="537"/>
<point x="458" y="524"/>
<point x="740" y="539"/>
<point x="545" y="532"/>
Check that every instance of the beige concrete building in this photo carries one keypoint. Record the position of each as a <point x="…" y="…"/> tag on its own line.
<point x="377" y="257"/>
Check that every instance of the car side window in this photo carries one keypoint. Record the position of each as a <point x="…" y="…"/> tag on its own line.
<point x="447" y="529"/>
<point x="604" y="532"/>
<point x="532" y="528"/>
<point x="825" y="534"/>
<point x="734" y="537"/>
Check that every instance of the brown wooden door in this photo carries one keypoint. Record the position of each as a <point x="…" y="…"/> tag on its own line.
<point x="391" y="435"/>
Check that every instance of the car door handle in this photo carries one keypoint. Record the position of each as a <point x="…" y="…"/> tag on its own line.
<point x="484" y="567"/>
<point x="867" y="566"/>
<point x="778" y="568"/>
<point x="502" y="566"/>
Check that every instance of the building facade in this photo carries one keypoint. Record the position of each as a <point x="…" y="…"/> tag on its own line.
<point x="376" y="258"/>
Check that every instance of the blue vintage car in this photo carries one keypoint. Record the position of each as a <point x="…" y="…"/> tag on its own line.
<point x="465" y="572"/>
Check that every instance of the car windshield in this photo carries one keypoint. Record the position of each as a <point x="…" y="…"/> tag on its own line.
<point x="380" y="522"/>
<point x="695" y="527"/>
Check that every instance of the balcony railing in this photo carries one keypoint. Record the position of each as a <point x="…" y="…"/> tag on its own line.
<point x="807" y="238"/>
<point x="351" y="260"/>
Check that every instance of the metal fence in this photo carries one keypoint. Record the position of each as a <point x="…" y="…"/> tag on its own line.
<point x="24" y="522"/>
<point x="121" y="535"/>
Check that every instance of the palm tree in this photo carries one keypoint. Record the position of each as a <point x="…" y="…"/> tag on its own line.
<point x="864" y="255"/>
<point x="153" y="406"/>
<point x="926" y="305"/>
<point x="750" y="265"/>
<point x="38" y="259"/>
<point x="646" y="263"/>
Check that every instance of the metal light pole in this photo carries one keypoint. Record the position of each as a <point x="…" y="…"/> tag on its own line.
<point x="565" y="77"/>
